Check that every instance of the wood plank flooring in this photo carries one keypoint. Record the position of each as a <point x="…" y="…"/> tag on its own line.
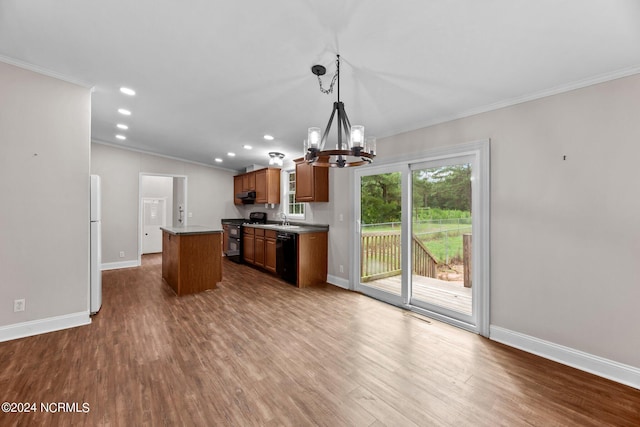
<point x="451" y="295"/>
<point x="259" y="352"/>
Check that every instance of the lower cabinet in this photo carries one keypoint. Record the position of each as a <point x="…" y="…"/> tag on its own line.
<point x="259" y="249"/>
<point x="248" y="244"/>
<point x="270" y="250"/>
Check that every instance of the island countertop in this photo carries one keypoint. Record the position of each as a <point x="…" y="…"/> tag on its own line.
<point x="190" y="229"/>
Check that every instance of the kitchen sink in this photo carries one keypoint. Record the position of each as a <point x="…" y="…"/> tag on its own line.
<point x="281" y="226"/>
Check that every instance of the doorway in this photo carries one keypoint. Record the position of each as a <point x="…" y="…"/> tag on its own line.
<point x="423" y="234"/>
<point x="162" y="202"/>
<point x="154" y="216"/>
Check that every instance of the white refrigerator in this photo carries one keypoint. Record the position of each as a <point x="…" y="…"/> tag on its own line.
<point x="95" y="288"/>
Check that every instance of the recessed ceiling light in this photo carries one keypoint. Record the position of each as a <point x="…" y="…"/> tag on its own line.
<point x="268" y="137"/>
<point x="124" y="112"/>
<point x="127" y="91"/>
<point x="247" y="147"/>
<point x="121" y="126"/>
<point x="121" y="137"/>
<point x="231" y="154"/>
<point x="218" y="159"/>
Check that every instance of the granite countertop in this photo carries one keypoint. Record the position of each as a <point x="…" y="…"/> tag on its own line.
<point x="293" y="228"/>
<point x="191" y="229"/>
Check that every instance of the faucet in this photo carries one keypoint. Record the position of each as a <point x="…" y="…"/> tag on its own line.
<point x="283" y="215"/>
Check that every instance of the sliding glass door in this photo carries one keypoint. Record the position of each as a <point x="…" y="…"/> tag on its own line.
<point x="423" y="235"/>
<point x="381" y="252"/>
<point x="442" y="236"/>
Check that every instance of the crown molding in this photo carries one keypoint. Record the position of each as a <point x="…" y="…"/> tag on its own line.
<point x="568" y="87"/>
<point x="45" y="72"/>
<point x="151" y="153"/>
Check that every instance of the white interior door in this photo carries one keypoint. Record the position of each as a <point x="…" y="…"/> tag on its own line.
<point x="154" y="216"/>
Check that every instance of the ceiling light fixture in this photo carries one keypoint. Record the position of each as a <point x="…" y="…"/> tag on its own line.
<point x="275" y="158"/>
<point x="268" y="137"/>
<point x="127" y="91"/>
<point x="121" y="126"/>
<point x="352" y="149"/>
<point x="247" y="147"/>
<point x="124" y="112"/>
<point x="231" y="154"/>
<point x="121" y="137"/>
<point x="218" y="160"/>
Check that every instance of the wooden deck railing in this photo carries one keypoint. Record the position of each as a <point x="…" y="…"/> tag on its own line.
<point x="380" y="256"/>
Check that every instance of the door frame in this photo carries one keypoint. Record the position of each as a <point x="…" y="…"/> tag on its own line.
<point x="481" y="226"/>
<point x="358" y="286"/>
<point x="140" y="206"/>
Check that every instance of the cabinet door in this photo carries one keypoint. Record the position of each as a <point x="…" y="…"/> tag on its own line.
<point x="270" y="254"/>
<point x="248" y="248"/>
<point x="237" y="188"/>
<point x="304" y="182"/>
<point x="249" y="181"/>
<point x="261" y="186"/>
<point x="312" y="183"/>
<point x="259" y="251"/>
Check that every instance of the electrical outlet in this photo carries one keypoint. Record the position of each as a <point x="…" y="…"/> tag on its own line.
<point x="18" y="305"/>
<point x="190" y="215"/>
<point x="340" y="217"/>
<point x="342" y="269"/>
<point x="121" y="254"/>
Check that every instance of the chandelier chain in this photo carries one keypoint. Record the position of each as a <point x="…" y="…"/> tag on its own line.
<point x="333" y="80"/>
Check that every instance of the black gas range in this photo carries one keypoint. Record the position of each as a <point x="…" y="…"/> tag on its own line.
<point x="233" y="227"/>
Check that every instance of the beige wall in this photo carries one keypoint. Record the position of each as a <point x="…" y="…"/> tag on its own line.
<point x="209" y="195"/>
<point x="45" y="127"/>
<point x="565" y="239"/>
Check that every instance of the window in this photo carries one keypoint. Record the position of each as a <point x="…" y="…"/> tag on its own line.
<point x="293" y="209"/>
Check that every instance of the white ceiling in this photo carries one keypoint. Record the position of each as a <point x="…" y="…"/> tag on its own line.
<point x="213" y="75"/>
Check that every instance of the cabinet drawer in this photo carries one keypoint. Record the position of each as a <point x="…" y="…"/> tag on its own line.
<point x="249" y="230"/>
<point x="259" y="231"/>
<point x="270" y="234"/>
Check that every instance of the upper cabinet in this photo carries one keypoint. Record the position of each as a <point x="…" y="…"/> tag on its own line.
<point x="267" y="185"/>
<point x="312" y="183"/>
<point x="265" y="182"/>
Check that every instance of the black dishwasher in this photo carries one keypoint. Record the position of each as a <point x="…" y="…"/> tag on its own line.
<point x="287" y="256"/>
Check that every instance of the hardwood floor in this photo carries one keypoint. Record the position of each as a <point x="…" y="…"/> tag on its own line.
<point x="257" y="351"/>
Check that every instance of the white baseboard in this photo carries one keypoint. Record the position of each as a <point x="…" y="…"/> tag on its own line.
<point x="42" y="326"/>
<point x="338" y="281"/>
<point x="625" y="374"/>
<point x="117" y="265"/>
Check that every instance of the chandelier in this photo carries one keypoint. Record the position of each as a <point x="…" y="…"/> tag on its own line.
<point x="351" y="149"/>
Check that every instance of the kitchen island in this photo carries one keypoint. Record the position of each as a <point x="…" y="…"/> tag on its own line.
<point x="191" y="258"/>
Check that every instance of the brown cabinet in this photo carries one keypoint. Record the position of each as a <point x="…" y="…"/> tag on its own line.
<point x="248" y="244"/>
<point x="268" y="186"/>
<point x="191" y="261"/>
<point x="249" y="181"/>
<point x="265" y="182"/>
<point x="270" y="250"/>
<point x="258" y="248"/>
<point x="237" y="188"/>
<point x="312" y="258"/>
<point x="312" y="182"/>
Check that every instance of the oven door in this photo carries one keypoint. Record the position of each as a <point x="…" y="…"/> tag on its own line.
<point x="234" y="247"/>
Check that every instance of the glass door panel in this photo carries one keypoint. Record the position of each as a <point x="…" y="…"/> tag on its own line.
<point x="380" y="237"/>
<point x="442" y="236"/>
